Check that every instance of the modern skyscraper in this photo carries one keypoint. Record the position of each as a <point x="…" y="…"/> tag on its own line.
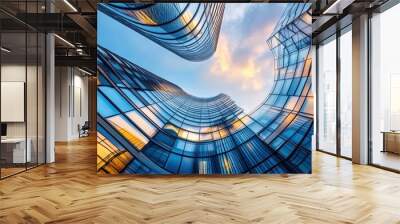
<point x="190" y="30"/>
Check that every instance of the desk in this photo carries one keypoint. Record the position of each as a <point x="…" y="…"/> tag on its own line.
<point x="391" y="141"/>
<point x="13" y="150"/>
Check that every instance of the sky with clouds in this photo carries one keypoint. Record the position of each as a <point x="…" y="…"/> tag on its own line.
<point x="241" y="67"/>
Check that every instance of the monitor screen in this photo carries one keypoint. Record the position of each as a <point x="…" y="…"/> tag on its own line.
<point x="3" y="129"/>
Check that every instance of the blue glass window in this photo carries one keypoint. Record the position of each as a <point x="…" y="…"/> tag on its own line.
<point x="105" y="108"/>
<point x="118" y="100"/>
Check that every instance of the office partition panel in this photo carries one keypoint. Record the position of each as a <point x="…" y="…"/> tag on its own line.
<point x="22" y="77"/>
<point x="14" y="145"/>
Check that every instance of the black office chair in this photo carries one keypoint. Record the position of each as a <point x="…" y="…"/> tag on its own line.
<point x="84" y="130"/>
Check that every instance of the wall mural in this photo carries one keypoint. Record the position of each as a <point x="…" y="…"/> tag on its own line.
<point x="160" y="67"/>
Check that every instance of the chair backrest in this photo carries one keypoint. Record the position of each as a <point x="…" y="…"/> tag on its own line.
<point x="86" y="124"/>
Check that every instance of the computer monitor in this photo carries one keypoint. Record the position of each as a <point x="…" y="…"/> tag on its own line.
<point x="3" y="129"/>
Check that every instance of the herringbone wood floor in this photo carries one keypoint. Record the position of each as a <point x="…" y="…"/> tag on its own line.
<point x="69" y="191"/>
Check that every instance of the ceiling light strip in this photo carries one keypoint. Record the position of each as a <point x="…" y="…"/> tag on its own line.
<point x="70" y="5"/>
<point x="64" y="40"/>
<point x="5" y="50"/>
<point x="337" y="7"/>
<point x="84" y="71"/>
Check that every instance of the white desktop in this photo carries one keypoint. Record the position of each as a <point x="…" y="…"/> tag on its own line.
<point x="18" y="149"/>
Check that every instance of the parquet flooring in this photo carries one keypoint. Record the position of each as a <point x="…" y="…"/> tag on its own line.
<point x="69" y="191"/>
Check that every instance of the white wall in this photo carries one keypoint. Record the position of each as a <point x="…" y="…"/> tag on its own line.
<point x="71" y="102"/>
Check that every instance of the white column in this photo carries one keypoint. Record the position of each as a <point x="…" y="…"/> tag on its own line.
<point x="360" y="90"/>
<point x="50" y="99"/>
<point x="50" y="92"/>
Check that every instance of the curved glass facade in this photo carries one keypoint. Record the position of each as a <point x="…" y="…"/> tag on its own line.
<point x="190" y="30"/>
<point x="147" y="124"/>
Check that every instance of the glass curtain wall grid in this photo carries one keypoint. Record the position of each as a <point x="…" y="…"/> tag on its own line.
<point x="334" y="84"/>
<point x="22" y="77"/>
<point x="190" y="30"/>
<point x="147" y="125"/>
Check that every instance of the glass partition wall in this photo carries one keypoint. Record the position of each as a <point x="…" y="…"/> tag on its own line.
<point x="334" y="84"/>
<point x="22" y="88"/>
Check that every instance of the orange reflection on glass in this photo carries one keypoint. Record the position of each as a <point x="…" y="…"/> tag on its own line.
<point x="190" y="22"/>
<point x="237" y="126"/>
<point x="288" y="119"/>
<point x="194" y="137"/>
<point x="223" y="132"/>
<point x="142" y="123"/>
<point x="205" y="137"/>
<point x="227" y="165"/>
<point x="246" y="120"/>
<point x="143" y="17"/>
<point x="291" y="102"/>
<point x="182" y="134"/>
<point x="120" y="161"/>
<point x="152" y="116"/>
<point x="309" y="105"/>
<point x="216" y="135"/>
<point x="307" y="67"/>
<point x="109" y="158"/>
<point x="172" y="128"/>
<point x="130" y="133"/>
<point x="206" y="129"/>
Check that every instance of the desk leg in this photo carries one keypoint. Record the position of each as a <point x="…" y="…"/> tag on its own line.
<point x="384" y="143"/>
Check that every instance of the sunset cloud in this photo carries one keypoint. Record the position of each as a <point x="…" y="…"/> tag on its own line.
<point x="245" y="63"/>
<point x="242" y="66"/>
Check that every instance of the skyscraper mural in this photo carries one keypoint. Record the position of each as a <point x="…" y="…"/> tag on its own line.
<point x="150" y="122"/>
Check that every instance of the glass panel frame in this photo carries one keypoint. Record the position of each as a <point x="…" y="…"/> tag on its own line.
<point x="327" y="80"/>
<point x="25" y="54"/>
